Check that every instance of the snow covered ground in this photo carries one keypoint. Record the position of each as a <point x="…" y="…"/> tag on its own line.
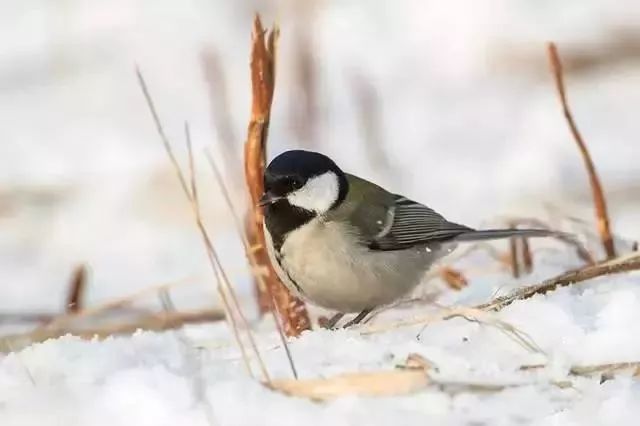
<point x="470" y="125"/>
<point x="155" y="379"/>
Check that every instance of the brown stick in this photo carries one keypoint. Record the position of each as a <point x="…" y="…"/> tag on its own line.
<point x="580" y="249"/>
<point x="513" y="257"/>
<point x="158" y="321"/>
<point x="599" y="200"/>
<point x="527" y="257"/>
<point x="76" y="289"/>
<point x="263" y="67"/>
<point x="614" y="266"/>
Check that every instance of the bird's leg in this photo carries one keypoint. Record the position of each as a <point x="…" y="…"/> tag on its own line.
<point x="331" y="322"/>
<point x="358" y="318"/>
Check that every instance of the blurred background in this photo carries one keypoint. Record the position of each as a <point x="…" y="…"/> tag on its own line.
<point x="451" y="103"/>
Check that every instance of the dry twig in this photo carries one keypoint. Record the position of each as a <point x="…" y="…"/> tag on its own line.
<point x="580" y="249"/>
<point x="76" y="289"/>
<point x="158" y="321"/>
<point x="614" y="266"/>
<point x="599" y="199"/>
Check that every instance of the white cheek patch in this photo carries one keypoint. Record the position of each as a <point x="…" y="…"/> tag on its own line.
<point x="318" y="194"/>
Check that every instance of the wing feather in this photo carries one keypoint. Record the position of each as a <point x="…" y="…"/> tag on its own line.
<point x="413" y="224"/>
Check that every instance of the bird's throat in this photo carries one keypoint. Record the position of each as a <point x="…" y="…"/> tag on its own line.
<point x="281" y="218"/>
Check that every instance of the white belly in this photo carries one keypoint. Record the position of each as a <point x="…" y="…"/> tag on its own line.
<point x="323" y="263"/>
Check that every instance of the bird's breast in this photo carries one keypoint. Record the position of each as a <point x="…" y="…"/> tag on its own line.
<point x="325" y="263"/>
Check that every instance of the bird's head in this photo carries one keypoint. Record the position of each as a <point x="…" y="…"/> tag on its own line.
<point x="305" y="180"/>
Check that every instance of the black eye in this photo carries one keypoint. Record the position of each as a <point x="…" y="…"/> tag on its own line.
<point x="294" y="182"/>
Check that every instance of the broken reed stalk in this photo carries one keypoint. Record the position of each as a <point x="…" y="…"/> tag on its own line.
<point x="599" y="199"/>
<point x="77" y="287"/>
<point x="223" y="284"/>
<point x="614" y="266"/>
<point x="258" y="275"/>
<point x="263" y="69"/>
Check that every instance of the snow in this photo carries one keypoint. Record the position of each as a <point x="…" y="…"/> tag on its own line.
<point x="471" y="126"/>
<point x="153" y="378"/>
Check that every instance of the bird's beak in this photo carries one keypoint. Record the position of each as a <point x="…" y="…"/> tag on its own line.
<point x="268" y="198"/>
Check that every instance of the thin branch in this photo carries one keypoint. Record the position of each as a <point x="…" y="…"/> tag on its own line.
<point x="599" y="199"/>
<point x="157" y="321"/>
<point x="614" y="266"/>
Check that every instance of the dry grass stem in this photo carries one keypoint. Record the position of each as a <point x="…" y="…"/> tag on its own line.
<point x="614" y="266"/>
<point x="607" y="369"/>
<point x="599" y="199"/>
<point x="293" y="313"/>
<point x="77" y="287"/>
<point x="226" y="292"/>
<point x="158" y="321"/>
<point x="223" y="285"/>
<point x="527" y="257"/>
<point x="514" y="259"/>
<point x="251" y="253"/>
<point x="469" y="314"/>
<point x="61" y="321"/>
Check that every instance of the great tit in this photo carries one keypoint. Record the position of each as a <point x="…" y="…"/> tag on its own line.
<point x="348" y="245"/>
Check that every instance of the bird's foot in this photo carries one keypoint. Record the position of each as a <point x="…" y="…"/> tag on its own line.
<point x="358" y="319"/>
<point x="330" y="324"/>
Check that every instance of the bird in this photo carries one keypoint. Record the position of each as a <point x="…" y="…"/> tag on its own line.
<point x="348" y="245"/>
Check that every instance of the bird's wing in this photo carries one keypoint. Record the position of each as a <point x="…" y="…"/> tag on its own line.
<point x="412" y="224"/>
<point x="386" y="221"/>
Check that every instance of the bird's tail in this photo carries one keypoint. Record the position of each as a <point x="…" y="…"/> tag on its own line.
<point x="495" y="234"/>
